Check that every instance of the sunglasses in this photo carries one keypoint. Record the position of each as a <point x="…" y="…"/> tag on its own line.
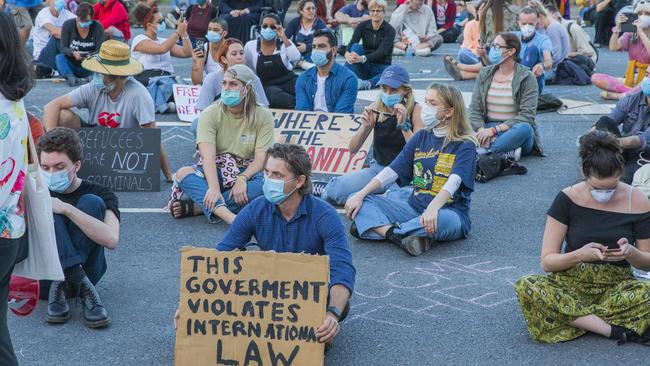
<point x="272" y="26"/>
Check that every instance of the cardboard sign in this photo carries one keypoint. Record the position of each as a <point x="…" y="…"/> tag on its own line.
<point x="122" y="159"/>
<point x="186" y="97"/>
<point x="325" y="136"/>
<point x="250" y="308"/>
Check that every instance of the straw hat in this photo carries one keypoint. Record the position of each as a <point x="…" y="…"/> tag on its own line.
<point x="114" y="58"/>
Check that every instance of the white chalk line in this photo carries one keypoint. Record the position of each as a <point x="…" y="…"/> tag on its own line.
<point x="174" y="124"/>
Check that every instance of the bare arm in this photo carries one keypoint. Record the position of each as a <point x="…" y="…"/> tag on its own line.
<point x="185" y="51"/>
<point x="52" y="110"/>
<point x="164" y="159"/>
<point x="105" y="233"/>
<point x="256" y="166"/>
<point x="553" y="260"/>
<point x="602" y="5"/>
<point x="54" y="30"/>
<point x="208" y="152"/>
<point x="152" y="48"/>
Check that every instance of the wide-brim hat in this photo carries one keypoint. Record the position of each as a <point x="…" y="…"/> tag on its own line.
<point x="114" y="58"/>
<point x="642" y="5"/>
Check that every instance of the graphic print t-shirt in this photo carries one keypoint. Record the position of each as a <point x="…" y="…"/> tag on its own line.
<point x="428" y="165"/>
<point x="133" y="107"/>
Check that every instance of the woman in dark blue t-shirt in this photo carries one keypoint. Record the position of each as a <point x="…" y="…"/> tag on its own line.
<point x="440" y="161"/>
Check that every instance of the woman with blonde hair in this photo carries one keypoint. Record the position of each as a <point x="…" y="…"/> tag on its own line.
<point x="237" y="131"/>
<point x="440" y="161"/>
<point x="392" y="119"/>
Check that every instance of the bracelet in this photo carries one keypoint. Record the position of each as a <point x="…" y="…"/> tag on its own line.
<point x="495" y="131"/>
<point x="243" y="176"/>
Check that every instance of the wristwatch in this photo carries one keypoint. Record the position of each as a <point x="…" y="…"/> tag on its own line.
<point x="334" y="310"/>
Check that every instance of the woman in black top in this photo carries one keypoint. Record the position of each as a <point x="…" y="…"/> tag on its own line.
<point x="606" y="226"/>
<point x="392" y="119"/>
<point x="79" y="38"/>
<point x="376" y="54"/>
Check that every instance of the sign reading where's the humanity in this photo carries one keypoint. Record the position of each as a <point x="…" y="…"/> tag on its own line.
<point x="325" y="136"/>
<point x="250" y="308"/>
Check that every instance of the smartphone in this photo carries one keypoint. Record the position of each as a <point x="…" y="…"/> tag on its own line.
<point x="612" y="247"/>
<point x="628" y="26"/>
<point x="199" y="44"/>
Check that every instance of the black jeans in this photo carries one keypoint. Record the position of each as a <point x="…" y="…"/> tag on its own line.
<point x="451" y="34"/>
<point x="631" y="156"/>
<point x="12" y="251"/>
<point x="603" y="23"/>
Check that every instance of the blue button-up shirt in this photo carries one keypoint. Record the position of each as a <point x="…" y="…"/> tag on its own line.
<point x="315" y="229"/>
<point x="634" y="113"/>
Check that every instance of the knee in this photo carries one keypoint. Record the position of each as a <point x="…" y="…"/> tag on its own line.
<point x="183" y="172"/>
<point x="357" y="48"/>
<point x="60" y="58"/>
<point x="92" y="205"/>
<point x="524" y="128"/>
<point x="332" y="191"/>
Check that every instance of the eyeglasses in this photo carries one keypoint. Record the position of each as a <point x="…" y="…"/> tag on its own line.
<point x="377" y="10"/>
<point x="309" y="8"/>
<point x="499" y="47"/>
<point x="272" y="26"/>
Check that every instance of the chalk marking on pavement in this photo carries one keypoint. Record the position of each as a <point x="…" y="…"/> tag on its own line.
<point x="432" y="79"/>
<point x="174" y="124"/>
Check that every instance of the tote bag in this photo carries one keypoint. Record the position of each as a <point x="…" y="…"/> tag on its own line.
<point x="42" y="262"/>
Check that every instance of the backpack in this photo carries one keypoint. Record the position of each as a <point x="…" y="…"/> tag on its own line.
<point x="641" y="178"/>
<point x="492" y="165"/>
<point x="570" y="73"/>
<point x="548" y="103"/>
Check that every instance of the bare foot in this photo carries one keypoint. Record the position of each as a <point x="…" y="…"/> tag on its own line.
<point x="225" y="214"/>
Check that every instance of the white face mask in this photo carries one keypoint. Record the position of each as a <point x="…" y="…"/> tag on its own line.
<point x="527" y="30"/>
<point x="645" y="21"/>
<point x="603" y="195"/>
<point x="428" y="116"/>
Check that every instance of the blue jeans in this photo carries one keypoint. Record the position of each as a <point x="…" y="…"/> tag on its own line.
<point x="338" y="189"/>
<point x="392" y="209"/>
<point x="519" y="135"/>
<point x="530" y="58"/>
<point x="368" y="71"/>
<point x="47" y="58"/>
<point x="195" y="126"/>
<point x="308" y="40"/>
<point x="67" y="67"/>
<point x="467" y="57"/>
<point x="196" y="187"/>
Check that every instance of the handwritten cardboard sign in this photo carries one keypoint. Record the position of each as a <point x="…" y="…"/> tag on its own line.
<point x="186" y="97"/>
<point x="250" y="308"/>
<point x="122" y="159"/>
<point x="325" y="136"/>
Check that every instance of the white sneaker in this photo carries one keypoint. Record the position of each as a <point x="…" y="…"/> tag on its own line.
<point x="423" y="52"/>
<point x="171" y="107"/>
<point x="514" y="154"/>
<point x="481" y="151"/>
<point x="398" y="52"/>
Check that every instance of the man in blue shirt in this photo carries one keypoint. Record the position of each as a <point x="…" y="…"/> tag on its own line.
<point x="353" y="14"/>
<point x="535" y="47"/>
<point x="328" y="87"/>
<point x="290" y="219"/>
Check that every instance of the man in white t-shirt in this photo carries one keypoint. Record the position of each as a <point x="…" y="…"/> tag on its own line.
<point x="113" y="98"/>
<point x="46" y="35"/>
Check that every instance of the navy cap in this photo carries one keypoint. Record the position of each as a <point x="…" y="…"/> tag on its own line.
<point x="394" y="76"/>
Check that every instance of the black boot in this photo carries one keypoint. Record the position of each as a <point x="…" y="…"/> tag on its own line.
<point x="354" y="231"/>
<point x="58" y="311"/>
<point x="416" y="245"/>
<point x="95" y="315"/>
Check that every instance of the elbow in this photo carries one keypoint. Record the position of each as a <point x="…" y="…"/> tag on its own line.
<point x="111" y="243"/>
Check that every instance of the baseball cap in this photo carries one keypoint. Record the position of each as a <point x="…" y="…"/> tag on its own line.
<point x="394" y="76"/>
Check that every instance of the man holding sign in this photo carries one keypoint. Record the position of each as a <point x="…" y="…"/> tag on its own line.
<point x="290" y="219"/>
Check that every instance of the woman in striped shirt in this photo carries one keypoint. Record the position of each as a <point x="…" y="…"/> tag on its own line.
<point x="504" y="102"/>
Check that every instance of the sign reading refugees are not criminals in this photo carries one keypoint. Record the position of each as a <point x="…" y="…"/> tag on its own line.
<point x="251" y="308"/>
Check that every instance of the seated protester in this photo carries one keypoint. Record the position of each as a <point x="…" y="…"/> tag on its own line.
<point x="79" y="38"/>
<point x="232" y="138"/>
<point x="326" y="9"/>
<point x="393" y="119"/>
<point x="241" y="16"/>
<point x="289" y="219"/>
<point x="114" y="18"/>
<point x="205" y="59"/>
<point x="198" y="18"/>
<point x="634" y="44"/>
<point x="86" y="220"/>
<point x="445" y="13"/>
<point x="440" y="161"/>
<point x="558" y="35"/>
<point x="24" y="13"/>
<point x="604" y="226"/>
<point x="328" y="87"/>
<point x="628" y="121"/>
<point x="415" y="25"/>
<point x="112" y="98"/>
<point x="300" y="31"/>
<point x="155" y="53"/>
<point x="462" y="15"/>
<point x="46" y="35"/>
<point x="536" y="48"/>
<point x="271" y="57"/>
<point x="471" y="54"/>
<point x="369" y="60"/>
<point x="504" y="102"/>
<point x="352" y="15"/>
<point x="231" y="53"/>
<point x="179" y="7"/>
<point x="579" y="40"/>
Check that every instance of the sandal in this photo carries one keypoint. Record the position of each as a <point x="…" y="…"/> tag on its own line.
<point x="451" y="65"/>
<point x="186" y="205"/>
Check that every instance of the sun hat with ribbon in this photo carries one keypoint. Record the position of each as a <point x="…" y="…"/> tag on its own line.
<point x="114" y="58"/>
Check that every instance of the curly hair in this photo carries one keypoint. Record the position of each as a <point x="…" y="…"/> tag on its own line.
<point x="61" y="139"/>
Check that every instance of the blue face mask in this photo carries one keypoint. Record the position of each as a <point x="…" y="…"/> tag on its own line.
<point x="274" y="190"/>
<point x="390" y="99"/>
<point x="319" y="58"/>
<point x="59" y="5"/>
<point x="645" y="86"/>
<point x="58" y="182"/>
<point x="213" y="37"/>
<point x="98" y="82"/>
<point x="161" y="28"/>
<point x="231" y="98"/>
<point x="85" y="25"/>
<point x="268" y="34"/>
<point x="495" y="56"/>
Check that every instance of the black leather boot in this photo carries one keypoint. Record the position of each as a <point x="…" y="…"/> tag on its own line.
<point x="58" y="310"/>
<point x="95" y="315"/>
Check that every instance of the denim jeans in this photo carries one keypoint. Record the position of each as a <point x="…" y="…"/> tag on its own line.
<point x="338" y="189"/>
<point x="530" y="58"/>
<point x="196" y="187"/>
<point x="519" y="135"/>
<point x="467" y="57"/>
<point x="368" y="71"/>
<point x="47" y="58"/>
<point x="393" y="209"/>
<point x="67" y="67"/>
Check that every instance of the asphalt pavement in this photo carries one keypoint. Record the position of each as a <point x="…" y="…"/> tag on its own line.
<point x="454" y="305"/>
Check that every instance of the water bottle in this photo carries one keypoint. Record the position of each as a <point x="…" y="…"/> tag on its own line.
<point x="409" y="51"/>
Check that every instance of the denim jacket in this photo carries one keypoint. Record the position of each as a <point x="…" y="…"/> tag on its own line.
<point x="340" y="90"/>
